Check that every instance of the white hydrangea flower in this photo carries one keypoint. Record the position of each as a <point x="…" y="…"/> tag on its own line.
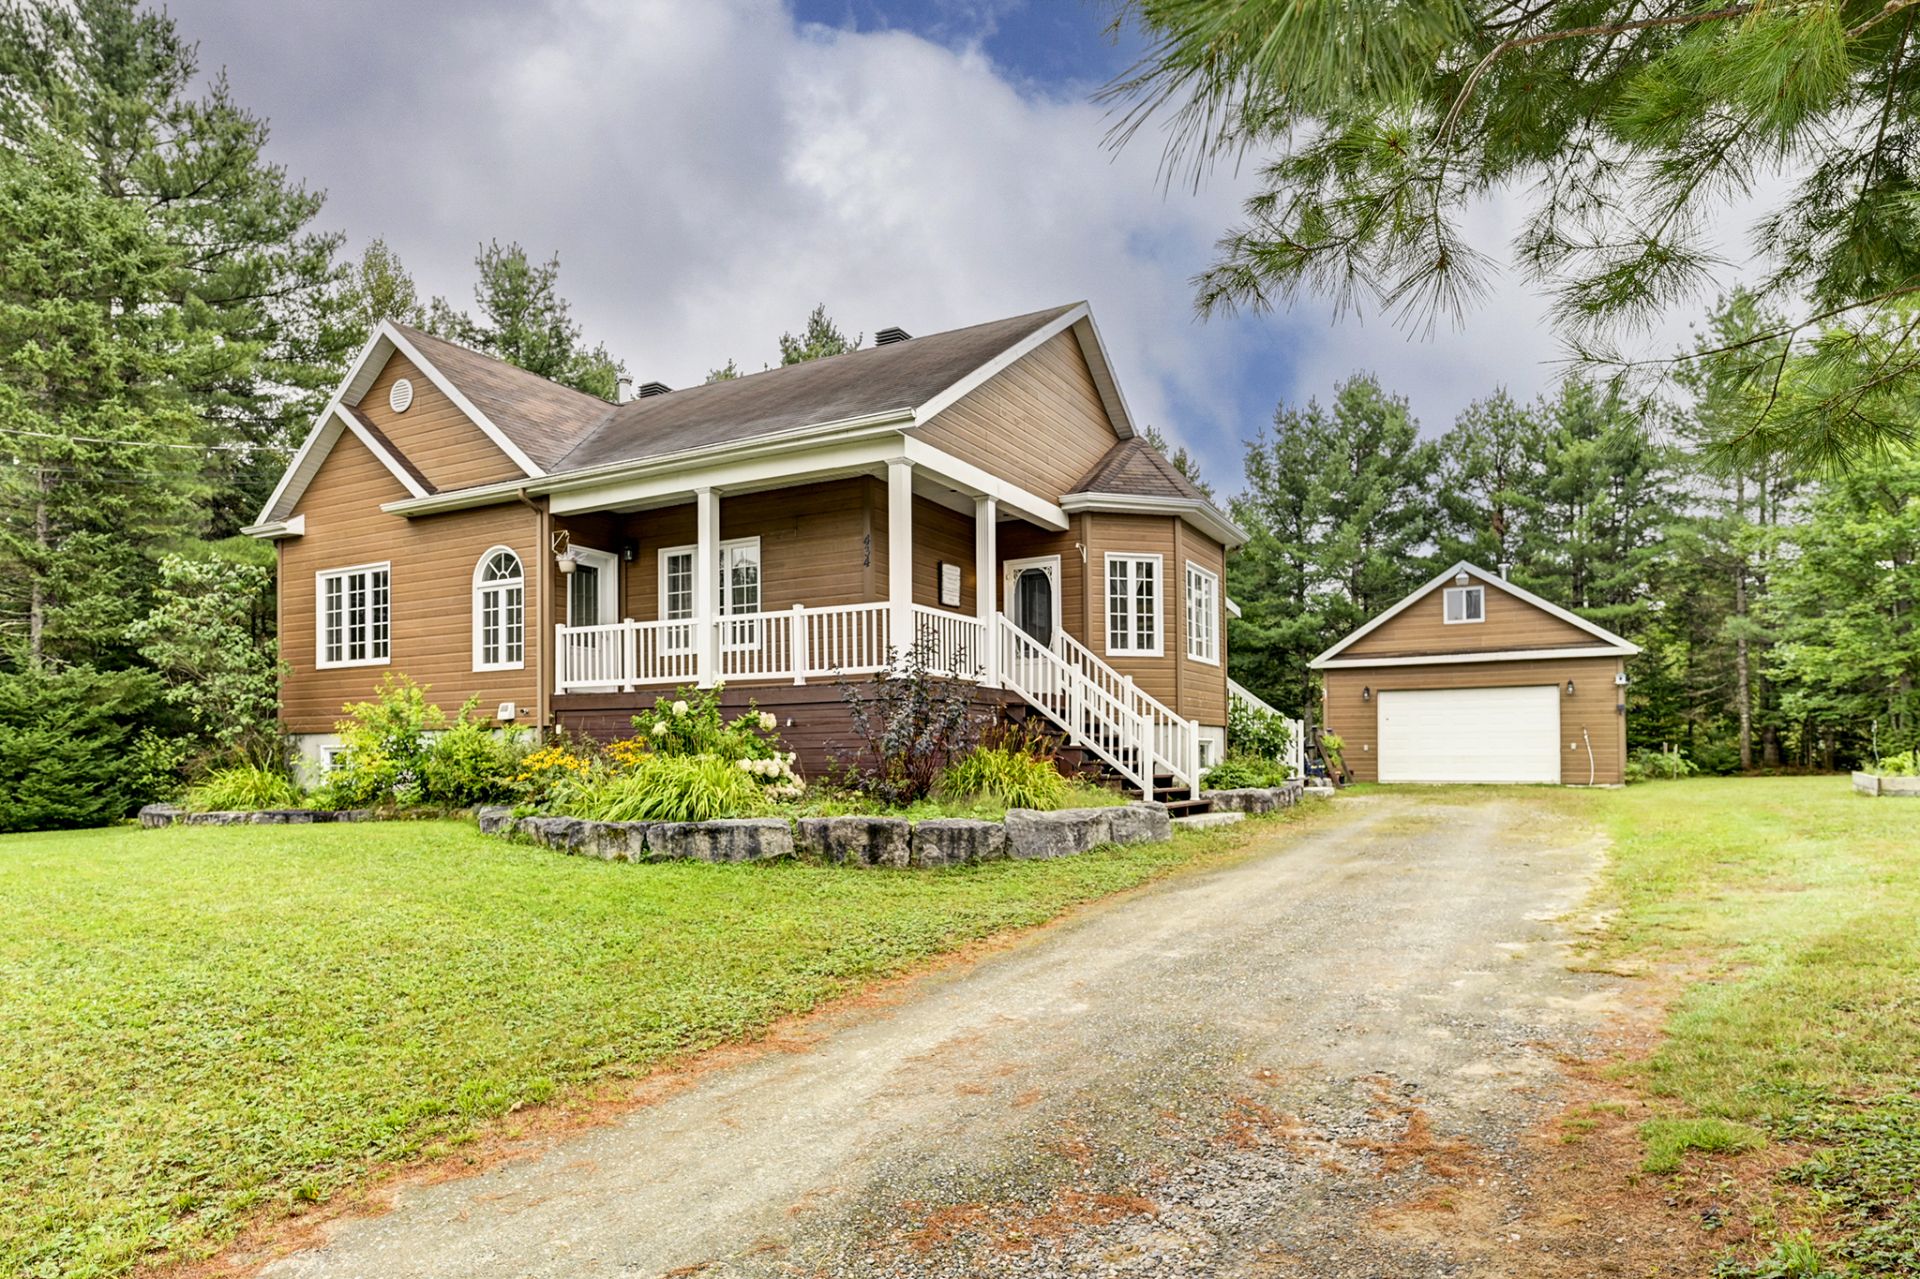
<point x="746" y="765"/>
<point x="679" y="709"/>
<point x="660" y="728"/>
<point x="768" y="721"/>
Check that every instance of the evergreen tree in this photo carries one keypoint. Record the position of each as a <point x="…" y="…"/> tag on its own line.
<point x="820" y="338"/>
<point x="1183" y="461"/>
<point x="118" y="81"/>
<point x="524" y="321"/>
<point x="1492" y="471"/>
<point x="1339" y="505"/>
<point x="1378" y="128"/>
<point x="374" y="289"/>
<point x="99" y="433"/>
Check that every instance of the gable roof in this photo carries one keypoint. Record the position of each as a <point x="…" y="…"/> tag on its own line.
<point x="1605" y="641"/>
<point x="1136" y="477"/>
<point x="549" y="430"/>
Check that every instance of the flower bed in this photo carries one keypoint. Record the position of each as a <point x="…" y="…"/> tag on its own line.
<point x="1876" y="784"/>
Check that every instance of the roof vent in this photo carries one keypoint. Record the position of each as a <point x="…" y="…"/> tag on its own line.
<point x="650" y="389"/>
<point x="887" y="337"/>
<point x="622" y="388"/>
<point x="400" y="396"/>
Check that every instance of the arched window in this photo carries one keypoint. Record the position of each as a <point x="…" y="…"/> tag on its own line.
<point x="499" y="612"/>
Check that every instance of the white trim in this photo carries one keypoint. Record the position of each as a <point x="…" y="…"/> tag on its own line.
<point x="460" y="401"/>
<point x="315" y="450"/>
<point x="1214" y="623"/>
<point x="1104" y="381"/>
<point x="607" y="564"/>
<point x="274" y="530"/>
<point x="479" y="588"/>
<point x="732" y="470"/>
<point x="1159" y="604"/>
<point x="320" y="577"/>
<point x="723" y="591"/>
<point x="1010" y="572"/>
<point x="1615" y="643"/>
<point x="1024" y="502"/>
<point x="1203" y="515"/>
<point x="1464" y="592"/>
<point x="668" y="641"/>
<point x="1233" y="610"/>
<point x="999" y="364"/>
<point x="1452" y="659"/>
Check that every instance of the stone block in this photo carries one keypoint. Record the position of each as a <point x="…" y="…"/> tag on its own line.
<point x="1140" y="823"/>
<point x="957" y="841"/>
<point x="614" y="841"/>
<point x="737" y="839"/>
<point x="217" y="819"/>
<point x="564" y="834"/>
<point x="858" y="841"/>
<point x="1035" y="835"/>
<point x="154" y="816"/>
<point x="493" y="819"/>
<point x="1243" y="799"/>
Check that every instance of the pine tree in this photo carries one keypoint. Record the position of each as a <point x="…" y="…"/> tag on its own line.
<point x="117" y="80"/>
<point x="820" y="338"/>
<point x="1492" y="471"/>
<point x="99" y="434"/>
<point x="373" y="289"/>
<point x="1183" y="461"/>
<point x="524" y="321"/>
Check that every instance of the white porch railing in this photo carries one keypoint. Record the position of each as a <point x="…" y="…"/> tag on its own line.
<point x="955" y="642"/>
<point x="1090" y="715"/>
<point x="799" y="644"/>
<point x="1175" y="741"/>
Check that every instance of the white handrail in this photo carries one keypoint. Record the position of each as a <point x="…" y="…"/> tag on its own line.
<point x="847" y="639"/>
<point x="1091" y="716"/>
<point x="800" y="643"/>
<point x="1175" y="739"/>
<point x="953" y="642"/>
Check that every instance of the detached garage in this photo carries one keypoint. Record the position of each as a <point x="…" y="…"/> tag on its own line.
<point x="1471" y="679"/>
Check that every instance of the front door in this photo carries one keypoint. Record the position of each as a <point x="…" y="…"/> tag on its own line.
<point x="593" y="588"/>
<point x="1033" y="597"/>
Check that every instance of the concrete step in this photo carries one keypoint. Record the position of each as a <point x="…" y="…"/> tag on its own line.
<point x="1200" y="821"/>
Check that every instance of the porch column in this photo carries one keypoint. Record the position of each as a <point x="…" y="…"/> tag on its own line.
<point x="900" y="556"/>
<point x="706" y="585"/>
<point x="986" y="585"/>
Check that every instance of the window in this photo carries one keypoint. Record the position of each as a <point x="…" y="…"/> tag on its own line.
<point x="739" y="587"/>
<point x="1203" y="615"/>
<point x="1133" y="605"/>
<point x="1466" y="604"/>
<point x="355" y="616"/>
<point x="499" y="612"/>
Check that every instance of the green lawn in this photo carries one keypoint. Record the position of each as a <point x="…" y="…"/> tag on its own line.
<point x="202" y="1024"/>
<point x="1802" y="899"/>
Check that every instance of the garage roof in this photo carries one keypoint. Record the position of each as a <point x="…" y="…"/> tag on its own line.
<point x="1605" y="642"/>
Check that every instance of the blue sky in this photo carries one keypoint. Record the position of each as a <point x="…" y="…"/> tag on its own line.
<point x="708" y="170"/>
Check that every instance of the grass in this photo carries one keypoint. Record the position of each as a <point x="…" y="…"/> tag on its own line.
<point x="201" y="1025"/>
<point x="1802" y="901"/>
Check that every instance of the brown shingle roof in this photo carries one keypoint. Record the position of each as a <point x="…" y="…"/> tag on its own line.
<point x="900" y="375"/>
<point x="544" y="418"/>
<point x="401" y="459"/>
<point x="1137" y="469"/>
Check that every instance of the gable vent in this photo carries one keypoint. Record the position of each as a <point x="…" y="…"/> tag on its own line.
<point x="401" y="396"/>
<point x="650" y="389"/>
<point x="887" y="337"/>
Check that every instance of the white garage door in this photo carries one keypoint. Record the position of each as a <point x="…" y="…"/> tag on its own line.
<point x="1470" y="734"/>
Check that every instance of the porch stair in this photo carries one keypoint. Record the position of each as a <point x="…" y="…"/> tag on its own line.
<point x="1114" y="730"/>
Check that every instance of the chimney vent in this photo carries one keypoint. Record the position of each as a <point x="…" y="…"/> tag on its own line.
<point x="623" y="388"/>
<point x="888" y="336"/>
<point x="650" y="389"/>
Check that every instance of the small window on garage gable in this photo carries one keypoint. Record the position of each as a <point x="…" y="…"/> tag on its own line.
<point x="1466" y="604"/>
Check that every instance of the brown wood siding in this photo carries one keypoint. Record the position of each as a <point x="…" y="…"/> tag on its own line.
<point x="1203" y="685"/>
<point x="941" y="533"/>
<point x="432" y="560"/>
<point x="1144" y="535"/>
<point x="1591" y="707"/>
<point x="446" y="446"/>
<point x="1422" y="629"/>
<point x="1039" y="424"/>
<point x="1019" y="540"/>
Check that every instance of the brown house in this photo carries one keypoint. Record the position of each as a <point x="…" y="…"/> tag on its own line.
<point x="980" y="493"/>
<point x="1471" y="679"/>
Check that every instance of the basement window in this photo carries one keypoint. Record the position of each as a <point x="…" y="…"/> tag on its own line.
<point x="1466" y="604"/>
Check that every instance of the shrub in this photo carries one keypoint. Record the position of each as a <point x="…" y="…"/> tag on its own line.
<point x="1238" y="771"/>
<point x="1645" y="765"/>
<point x="1332" y="745"/>
<point x="68" y="747"/>
<point x="1906" y="764"/>
<point x="471" y="763"/>
<point x="243" y="787"/>
<point x="544" y="770"/>
<point x="1254" y="731"/>
<point x="662" y="788"/>
<point x="1005" y="775"/>
<point x="911" y="724"/>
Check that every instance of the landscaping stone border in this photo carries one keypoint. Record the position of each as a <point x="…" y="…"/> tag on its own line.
<point x="154" y="816"/>
<point x="1875" y="784"/>
<point x="1026" y="834"/>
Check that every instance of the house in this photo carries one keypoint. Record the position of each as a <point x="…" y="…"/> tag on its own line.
<point x="982" y="493"/>
<point x="1471" y="679"/>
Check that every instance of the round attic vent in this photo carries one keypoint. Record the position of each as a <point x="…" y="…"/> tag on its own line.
<point x="400" y="396"/>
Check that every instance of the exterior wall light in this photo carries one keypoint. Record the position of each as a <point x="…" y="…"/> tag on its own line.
<point x="1461" y="578"/>
<point x="1366" y="694"/>
<point x="1569" y="688"/>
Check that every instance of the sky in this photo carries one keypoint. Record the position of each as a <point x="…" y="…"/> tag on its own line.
<point x="709" y="170"/>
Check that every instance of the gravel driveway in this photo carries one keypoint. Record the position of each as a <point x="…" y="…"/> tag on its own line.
<point x="1319" y="1060"/>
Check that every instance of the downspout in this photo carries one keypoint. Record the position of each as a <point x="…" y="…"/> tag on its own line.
<point x="542" y="675"/>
